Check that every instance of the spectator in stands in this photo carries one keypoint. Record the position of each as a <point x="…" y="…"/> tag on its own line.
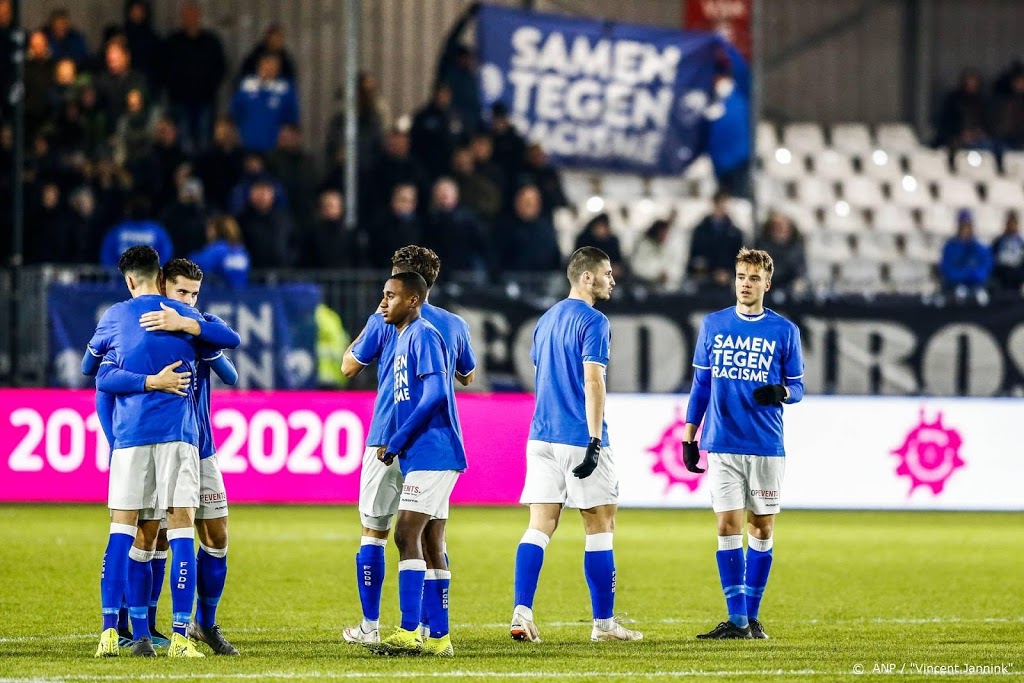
<point x="652" y="262"/>
<point x="457" y="68"/>
<point x="966" y="263"/>
<point x="112" y="185"/>
<point x="165" y="158"/>
<point x="397" y="166"/>
<point x="224" y="260"/>
<point x="716" y="241"/>
<point x="334" y="177"/>
<point x="395" y="228"/>
<point x="454" y="232"/>
<point x="220" y="166"/>
<point x="254" y="169"/>
<point x="55" y="236"/>
<point x="83" y="204"/>
<point x="185" y="218"/>
<point x="435" y="131"/>
<point x="137" y="228"/>
<point x="267" y="230"/>
<point x="66" y="83"/>
<point x="271" y="44"/>
<point x="1009" y="113"/>
<point x="729" y="142"/>
<point x="785" y="244"/>
<point x="598" y="233"/>
<point x="64" y="39"/>
<point x="374" y="117"/>
<point x="507" y="145"/>
<point x="133" y="135"/>
<point x="296" y="170"/>
<point x="964" y="117"/>
<point x="1008" y="255"/>
<point x="144" y="44"/>
<point x="526" y="240"/>
<point x="114" y="84"/>
<point x="262" y="104"/>
<point x="478" y="192"/>
<point x="38" y="83"/>
<point x="193" y="70"/>
<point x="537" y="171"/>
<point x="330" y="244"/>
<point x="94" y="121"/>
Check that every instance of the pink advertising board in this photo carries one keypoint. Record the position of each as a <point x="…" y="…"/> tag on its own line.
<point x="273" y="447"/>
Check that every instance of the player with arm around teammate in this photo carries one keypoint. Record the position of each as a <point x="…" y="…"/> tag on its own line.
<point x="568" y="457"/>
<point x="747" y="364"/>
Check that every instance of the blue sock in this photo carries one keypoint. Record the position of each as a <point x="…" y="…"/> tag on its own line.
<point x="370" y="571"/>
<point x="140" y="587"/>
<point x="759" y="563"/>
<point x="730" y="569"/>
<point x="529" y="560"/>
<point x="159" y="566"/>
<point x="122" y="615"/>
<point x="114" y="575"/>
<point x="599" y="568"/>
<point x="435" y="601"/>
<point x="211" y="573"/>
<point x="411" y="574"/>
<point x="183" y="576"/>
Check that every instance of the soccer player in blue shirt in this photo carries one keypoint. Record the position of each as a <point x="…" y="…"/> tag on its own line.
<point x="427" y="443"/>
<point x="155" y="458"/>
<point x="747" y="364"/>
<point x="568" y="458"/>
<point x="183" y="280"/>
<point x="380" y="486"/>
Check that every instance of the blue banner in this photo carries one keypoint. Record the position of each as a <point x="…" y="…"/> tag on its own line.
<point x="595" y="94"/>
<point x="277" y="326"/>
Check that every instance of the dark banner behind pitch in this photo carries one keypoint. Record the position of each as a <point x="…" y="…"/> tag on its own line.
<point x="897" y="348"/>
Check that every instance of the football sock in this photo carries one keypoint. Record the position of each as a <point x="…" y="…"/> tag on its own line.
<point x="122" y="616"/>
<point x="140" y="587"/>
<point x="759" y="563"/>
<point x="599" y="568"/>
<point x="183" y="576"/>
<point x="114" y="575"/>
<point x="211" y="573"/>
<point x="529" y="560"/>
<point x="730" y="569"/>
<point x="435" y="601"/>
<point x="159" y="566"/>
<point x="370" y="570"/>
<point x="411" y="575"/>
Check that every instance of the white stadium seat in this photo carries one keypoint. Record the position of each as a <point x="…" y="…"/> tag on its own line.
<point x="911" y="192"/>
<point x="862" y="191"/>
<point x="892" y="219"/>
<point x="859" y="275"/>
<point x="930" y="164"/>
<point x="668" y="187"/>
<point x="958" y="192"/>
<point x="852" y="138"/>
<point x="805" y="138"/>
<point x="690" y="212"/>
<point x="767" y="138"/>
<point x="622" y="186"/>
<point x="828" y="247"/>
<point x="579" y="186"/>
<point x="975" y="164"/>
<point x="908" y="276"/>
<point x="938" y="219"/>
<point x="820" y="273"/>
<point x="642" y="212"/>
<point x="1013" y="165"/>
<point x="814" y="191"/>
<point x="988" y="222"/>
<point x="829" y="163"/>
<point x="896" y="137"/>
<point x="882" y="165"/>
<point x="849" y="220"/>
<point x="925" y="247"/>
<point x="1005" y="192"/>
<point x="877" y="246"/>
<point x="784" y="165"/>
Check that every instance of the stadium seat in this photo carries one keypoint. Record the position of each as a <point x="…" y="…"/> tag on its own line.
<point x="859" y="275"/>
<point x="642" y="212"/>
<point x="911" y="192"/>
<point x="911" y="276"/>
<point x="896" y="137"/>
<point x="742" y="213"/>
<point x="700" y="177"/>
<point x="770" y="191"/>
<point x="988" y="222"/>
<point x="929" y="164"/>
<point x="784" y="165"/>
<point x="767" y="138"/>
<point x="927" y="247"/>
<point x="938" y="219"/>
<point x="979" y="165"/>
<point x="851" y="220"/>
<point x="833" y="165"/>
<point x="622" y="186"/>
<point x="814" y="191"/>
<point x="893" y="219"/>
<point x="820" y="273"/>
<point x="958" y="192"/>
<point x="579" y="186"/>
<point x="803" y="138"/>
<point x="863" y="192"/>
<point x="1013" y="165"/>
<point x="1005" y="192"/>
<point x="878" y="246"/>
<point x="882" y="165"/>
<point x="829" y="247"/>
<point x="852" y="138"/>
<point x="690" y="212"/>
<point x="669" y="187"/>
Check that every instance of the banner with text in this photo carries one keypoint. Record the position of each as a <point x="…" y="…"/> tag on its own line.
<point x="597" y="94"/>
<point x="277" y="326"/>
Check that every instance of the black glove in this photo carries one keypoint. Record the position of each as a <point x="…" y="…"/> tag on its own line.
<point x="589" y="464"/>
<point x="770" y="395"/>
<point x="691" y="456"/>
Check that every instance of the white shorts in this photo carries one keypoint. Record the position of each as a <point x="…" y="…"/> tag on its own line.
<point x="213" y="499"/>
<point x="428" y="492"/>
<point x="752" y="482"/>
<point x="380" y="486"/>
<point x="549" y="477"/>
<point x="157" y="477"/>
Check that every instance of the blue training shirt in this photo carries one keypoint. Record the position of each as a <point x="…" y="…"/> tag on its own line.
<point x="571" y="333"/>
<point x="420" y="352"/>
<point x="377" y="343"/>
<point x="743" y="353"/>
<point x="148" y="418"/>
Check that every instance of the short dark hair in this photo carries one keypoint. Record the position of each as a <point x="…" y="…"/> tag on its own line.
<point x="141" y="260"/>
<point x="413" y="282"/>
<point x="583" y="260"/>
<point x="182" y="267"/>
<point x="419" y="260"/>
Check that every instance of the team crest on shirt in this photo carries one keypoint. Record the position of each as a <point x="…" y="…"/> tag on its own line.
<point x="668" y="453"/>
<point x="930" y="454"/>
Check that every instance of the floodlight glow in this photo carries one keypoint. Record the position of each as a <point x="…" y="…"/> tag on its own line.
<point x="974" y="158"/>
<point x="909" y="183"/>
<point x="879" y="157"/>
<point x="842" y="209"/>
<point x="783" y="155"/>
<point x="595" y="204"/>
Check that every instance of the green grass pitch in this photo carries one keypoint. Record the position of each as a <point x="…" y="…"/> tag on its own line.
<point x="848" y="590"/>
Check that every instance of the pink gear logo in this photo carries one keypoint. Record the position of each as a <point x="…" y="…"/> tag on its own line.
<point x="929" y="455"/>
<point x="669" y="456"/>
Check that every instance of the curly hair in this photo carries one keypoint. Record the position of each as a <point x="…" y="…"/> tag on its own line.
<point x="419" y="260"/>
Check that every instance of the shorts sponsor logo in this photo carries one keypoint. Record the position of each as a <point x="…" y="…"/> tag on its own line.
<point x="209" y="498"/>
<point x="408" y="489"/>
<point x="929" y="455"/>
<point x="764" y="493"/>
<point x="668" y="456"/>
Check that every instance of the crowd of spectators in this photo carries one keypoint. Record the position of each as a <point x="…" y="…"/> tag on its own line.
<point x="973" y="116"/>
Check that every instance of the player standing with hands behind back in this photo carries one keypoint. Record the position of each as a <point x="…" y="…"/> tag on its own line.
<point x="747" y="363"/>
